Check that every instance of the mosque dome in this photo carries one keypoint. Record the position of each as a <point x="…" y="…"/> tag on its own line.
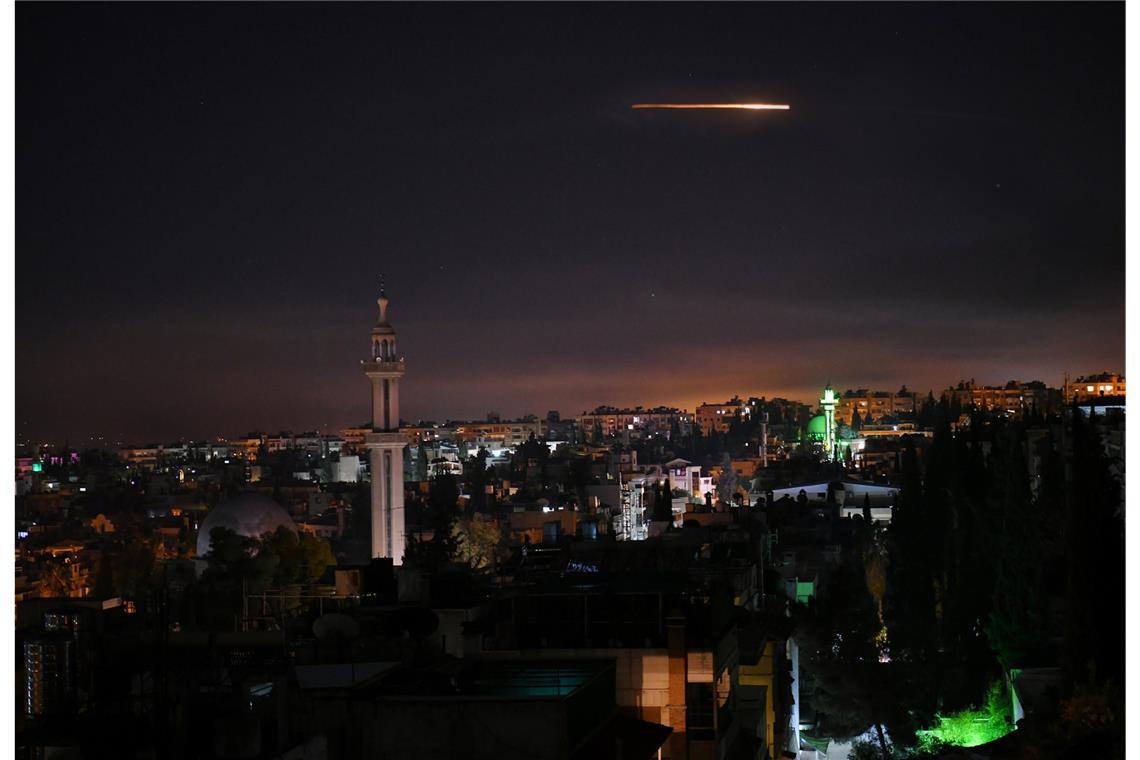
<point x="817" y="427"/>
<point x="248" y="514"/>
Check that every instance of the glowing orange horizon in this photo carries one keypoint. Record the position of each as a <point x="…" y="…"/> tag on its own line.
<point x="741" y="106"/>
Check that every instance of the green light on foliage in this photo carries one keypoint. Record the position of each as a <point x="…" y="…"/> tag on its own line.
<point x="969" y="728"/>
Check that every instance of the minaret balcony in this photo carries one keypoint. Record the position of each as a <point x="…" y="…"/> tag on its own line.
<point x="382" y="366"/>
<point x="385" y="439"/>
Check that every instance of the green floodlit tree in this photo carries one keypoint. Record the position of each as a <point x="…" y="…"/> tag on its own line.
<point x="974" y="726"/>
<point x="976" y="557"/>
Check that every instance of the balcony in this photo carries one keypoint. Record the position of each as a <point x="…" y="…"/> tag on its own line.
<point x="383" y="366"/>
<point x="385" y="439"/>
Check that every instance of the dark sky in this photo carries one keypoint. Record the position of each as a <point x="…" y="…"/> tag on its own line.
<point x="207" y="195"/>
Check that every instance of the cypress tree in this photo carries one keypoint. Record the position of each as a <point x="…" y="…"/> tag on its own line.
<point x="910" y="597"/>
<point x="1095" y="625"/>
<point x="1016" y="619"/>
<point x="663" y="503"/>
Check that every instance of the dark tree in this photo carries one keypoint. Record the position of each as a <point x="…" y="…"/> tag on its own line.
<point x="1094" y="638"/>
<point x="847" y="685"/>
<point x="910" y="584"/>
<point x="579" y="475"/>
<point x="433" y="554"/>
<point x="477" y="478"/>
<point x="1016" y="622"/>
<point x="421" y="463"/>
<point x="663" y="504"/>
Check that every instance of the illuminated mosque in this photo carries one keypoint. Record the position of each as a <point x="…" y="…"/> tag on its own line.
<point x="823" y="431"/>
<point x="248" y="514"/>
<point x="252" y="514"/>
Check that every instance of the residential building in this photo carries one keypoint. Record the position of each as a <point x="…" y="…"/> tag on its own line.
<point x="636" y="423"/>
<point x="1094" y="388"/>
<point x="874" y="405"/>
<point x="676" y="664"/>
<point x="717" y="417"/>
<point x="497" y="434"/>
<point x="1012" y="398"/>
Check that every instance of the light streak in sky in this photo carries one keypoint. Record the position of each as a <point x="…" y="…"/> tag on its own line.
<point x="740" y="106"/>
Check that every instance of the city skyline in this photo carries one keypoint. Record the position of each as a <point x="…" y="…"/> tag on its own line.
<point x="354" y="398"/>
<point x="810" y="399"/>
<point x="231" y="206"/>
<point x="685" y="381"/>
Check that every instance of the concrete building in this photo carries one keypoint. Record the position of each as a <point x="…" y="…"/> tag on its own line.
<point x="385" y="443"/>
<point x="496" y="434"/>
<point x="682" y="475"/>
<point x="715" y="418"/>
<point x="850" y="497"/>
<point x="636" y="423"/>
<point x="524" y="709"/>
<point x="631" y="526"/>
<point x="49" y="679"/>
<point x="671" y="668"/>
<point x="343" y="469"/>
<point x="1012" y="398"/>
<point x="874" y="405"/>
<point x="1093" y="389"/>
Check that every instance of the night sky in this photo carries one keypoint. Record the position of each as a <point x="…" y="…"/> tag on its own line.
<point x="208" y="194"/>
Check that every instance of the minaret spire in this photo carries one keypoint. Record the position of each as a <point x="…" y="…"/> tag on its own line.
<point x="382" y="302"/>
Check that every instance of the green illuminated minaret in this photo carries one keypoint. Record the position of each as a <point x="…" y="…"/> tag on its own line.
<point x="828" y="403"/>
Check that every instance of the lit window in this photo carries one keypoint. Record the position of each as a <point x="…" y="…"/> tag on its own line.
<point x="1091" y="389"/>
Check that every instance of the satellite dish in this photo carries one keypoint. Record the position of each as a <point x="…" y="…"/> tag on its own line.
<point x="335" y="626"/>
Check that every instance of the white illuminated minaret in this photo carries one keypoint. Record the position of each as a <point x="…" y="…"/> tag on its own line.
<point x="384" y="442"/>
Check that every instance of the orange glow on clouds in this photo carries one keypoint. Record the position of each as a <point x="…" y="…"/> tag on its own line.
<point x="739" y="106"/>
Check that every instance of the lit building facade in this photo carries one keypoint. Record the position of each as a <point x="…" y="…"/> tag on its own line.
<point x="494" y="433"/>
<point x="717" y="417"/>
<point x="1094" y="388"/>
<point x="632" y="525"/>
<point x="874" y="405"/>
<point x="637" y="422"/>
<point x="1011" y="398"/>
